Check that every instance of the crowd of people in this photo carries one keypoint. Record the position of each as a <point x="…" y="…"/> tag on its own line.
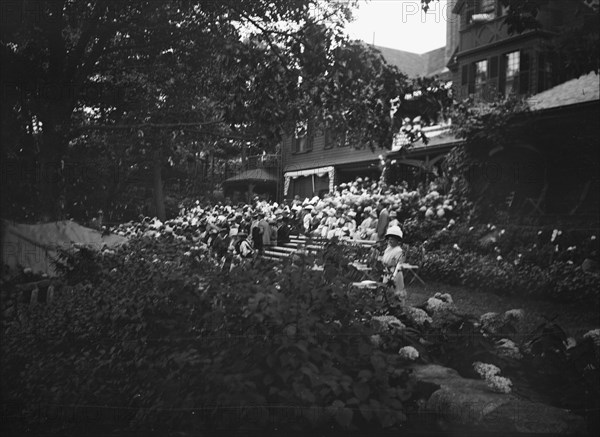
<point x="359" y="210"/>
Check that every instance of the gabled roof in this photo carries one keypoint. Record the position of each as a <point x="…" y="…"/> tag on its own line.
<point x="413" y="64"/>
<point x="255" y="175"/>
<point x="435" y="61"/>
<point x="583" y="89"/>
<point x="409" y="63"/>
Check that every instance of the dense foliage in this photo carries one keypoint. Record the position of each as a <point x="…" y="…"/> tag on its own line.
<point x="158" y="332"/>
<point x="163" y="339"/>
<point x="104" y="98"/>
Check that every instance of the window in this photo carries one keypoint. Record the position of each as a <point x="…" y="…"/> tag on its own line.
<point x="303" y="139"/>
<point x="515" y="73"/>
<point x="341" y="140"/>
<point x="478" y="10"/>
<point x="472" y="72"/>
<point x="524" y="73"/>
<point x="333" y="139"/>
<point x="494" y="67"/>
<point x="481" y="72"/>
<point x="511" y="72"/>
<point x="470" y="10"/>
<point x="544" y="72"/>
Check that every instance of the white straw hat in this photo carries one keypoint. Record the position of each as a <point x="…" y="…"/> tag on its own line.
<point x="394" y="231"/>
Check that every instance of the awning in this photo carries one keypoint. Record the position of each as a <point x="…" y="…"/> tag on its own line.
<point x="254" y="175"/>
<point x="319" y="171"/>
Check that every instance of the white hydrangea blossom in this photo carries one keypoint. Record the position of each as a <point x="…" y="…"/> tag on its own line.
<point x="514" y="314"/>
<point x="485" y="370"/>
<point x="434" y="304"/>
<point x="386" y="322"/>
<point x="419" y="316"/>
<point x="499" y="384"/>
<point x="487" y="318"/>
<point x="570" y="343"/>
<point x="489" y="373"/>
<point x="508" y="349"/>
<point x="439" y="301"/>
<point x="594" y="334"/>
<point x="408" y="353"/>
<point x="444" y="297"/>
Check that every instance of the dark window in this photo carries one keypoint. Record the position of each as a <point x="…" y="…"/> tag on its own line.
<point x="335" y="139"/>
<point x="544" y="73"/>
<point x="524" y="74"/>
<point x="472" y="71"/>
<point x="328" y="139"/>
<point x="470" y="10"/>
<point x="502" y="75"/>
<point x="494" y="67"/>
<point x="511" y="72"/>
<point x="481" y="76"/>
<point x="303" y="140"/>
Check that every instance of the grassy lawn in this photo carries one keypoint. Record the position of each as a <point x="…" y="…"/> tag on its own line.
<point x="575" y="318"/>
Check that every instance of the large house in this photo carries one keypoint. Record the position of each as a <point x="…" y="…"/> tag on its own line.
<point x="312" y="164"/>
<point x="481" y="58"/>
<point x="488" y="60"/>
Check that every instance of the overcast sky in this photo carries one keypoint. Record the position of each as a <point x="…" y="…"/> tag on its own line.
<point x="401" y="24"/>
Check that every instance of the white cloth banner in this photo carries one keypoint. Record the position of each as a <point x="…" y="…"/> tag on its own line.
<point x="318" y="171"/>
<point x="321" y="172"/>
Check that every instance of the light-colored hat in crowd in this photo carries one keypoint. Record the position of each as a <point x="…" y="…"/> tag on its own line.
<point x="394" y="231"/>
<point x="393" y="214"/>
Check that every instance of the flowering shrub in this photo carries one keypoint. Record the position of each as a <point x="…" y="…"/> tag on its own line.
<point x="489" y="373"/>
<point x="545" y="363"/>
<point x="158" y="331"/>
<point x="560" y="280"/>
<point x="408" y="353"/>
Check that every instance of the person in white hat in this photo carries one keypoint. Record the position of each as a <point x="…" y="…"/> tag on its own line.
<point x="307" y="219"/>
<point x="393" y="219"/>
<point x="392" y="259"/>
<point x="369" y="224"/>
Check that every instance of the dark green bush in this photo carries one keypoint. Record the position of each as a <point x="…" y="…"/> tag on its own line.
<point x="559" y="280"/>
<point x="159" y="330"/>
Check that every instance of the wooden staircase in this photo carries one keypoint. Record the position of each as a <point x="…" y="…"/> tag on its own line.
<point x="301" y="242"/>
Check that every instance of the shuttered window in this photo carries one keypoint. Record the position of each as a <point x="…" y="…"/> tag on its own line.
<point x="511" y="72"/>
<point x="524" y="73"/>
<point x="494" y="67"/>
<point x="472" y="73"/>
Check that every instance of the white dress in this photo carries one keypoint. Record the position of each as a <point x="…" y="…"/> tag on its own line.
<point x="390" y="259"/>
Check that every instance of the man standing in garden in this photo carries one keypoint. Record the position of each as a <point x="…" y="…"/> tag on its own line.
<point x="265" y="231"/>
<point x="256" y="233"/>
<point x="383" y="219"/>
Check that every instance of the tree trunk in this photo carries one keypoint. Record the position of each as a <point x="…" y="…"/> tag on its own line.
<point x="212" y="171"/>
<point x="159" y="198"/>
<point x="50" y="173"/>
